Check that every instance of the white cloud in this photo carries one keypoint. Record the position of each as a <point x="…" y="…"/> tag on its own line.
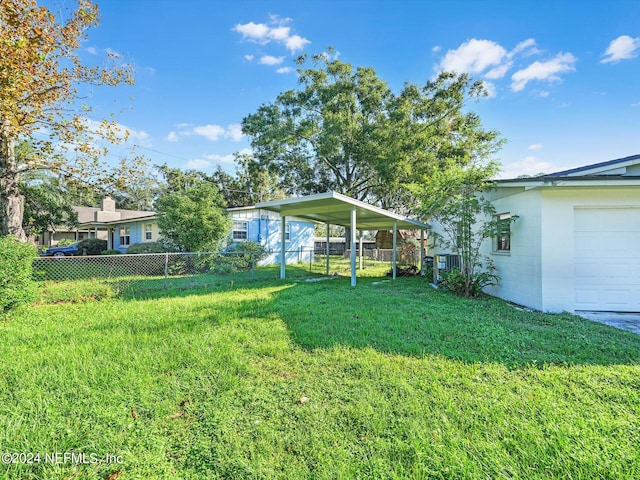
<point x="248" y="58"/>
<point x="212" y="132"/>
<point x="276" y="32"/>
<point x="535" y="146"/>
<point x="527" y="166"/>
<point x="92" y="50"/>
<point x="253" y="31"/>
<point x="527" y="46"/>
<point x="473" y="56"/>
<point x="216" y="132"/>
<point x="172" y="137"/>
<point x="635" y="104"/>
<point x="219" y="158"/>
<point x="499" y="71"/>
<point x="622" y="48"/>
<point x="436" y="49"/>
<point x="280" y="33"/>
<point x="295" y="43"/>
<point x="271" y="60"/>
<point x="284" y="70"/>
<point x="543" y="93"/>
<point x="234" y="131"/>
<point x="198" y="164"/>
<point x="543" y="71"/>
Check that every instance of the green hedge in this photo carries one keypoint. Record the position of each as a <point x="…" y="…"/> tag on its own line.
<point x="149" y="247"/>
<point x="16" y="282"/>
<point x="91" y="246"/>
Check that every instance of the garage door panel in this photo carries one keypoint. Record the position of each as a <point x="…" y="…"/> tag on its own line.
<point x="607" y="259"/>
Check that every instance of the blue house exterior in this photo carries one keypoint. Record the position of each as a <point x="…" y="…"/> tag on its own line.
<point x="123" y="228"/>
<point x="263" y="227"/>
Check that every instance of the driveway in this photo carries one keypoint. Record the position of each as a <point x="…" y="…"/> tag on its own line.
<point x="624" y="321"/>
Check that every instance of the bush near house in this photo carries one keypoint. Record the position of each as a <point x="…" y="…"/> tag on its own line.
<point x="110" y="252"/>
<point x="91" y="246"/>
<point x="16" y="283"/>
<point x="150" y="247"/>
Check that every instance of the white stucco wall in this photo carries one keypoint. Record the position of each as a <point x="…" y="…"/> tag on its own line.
<point x="520" y="269"/>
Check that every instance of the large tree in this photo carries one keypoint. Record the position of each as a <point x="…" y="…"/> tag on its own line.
<point x="345" y="130"/>
<point x="41" y="81"/>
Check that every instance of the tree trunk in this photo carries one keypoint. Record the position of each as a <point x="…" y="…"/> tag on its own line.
<point x="11" y="202"/>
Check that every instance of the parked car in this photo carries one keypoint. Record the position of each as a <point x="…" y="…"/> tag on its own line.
<point x="68" y="251"/>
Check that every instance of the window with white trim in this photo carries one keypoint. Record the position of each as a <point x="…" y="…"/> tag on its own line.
<point x="125" y="236"/>
<point x="240" y="231"/>
<point x="502" y="241"/>
<point x="287" y="232"/>
<point x="148" y="231"/>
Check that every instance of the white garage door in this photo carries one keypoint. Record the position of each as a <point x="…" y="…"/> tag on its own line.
<point x="607" y="259"/>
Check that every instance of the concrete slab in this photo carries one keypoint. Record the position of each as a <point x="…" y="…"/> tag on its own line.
<point x="624" y="321"/>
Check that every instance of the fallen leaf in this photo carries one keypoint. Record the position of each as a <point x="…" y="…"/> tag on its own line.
<point x="114" y="476"/>
<point x="134" y="415"/>
<point x="303" y="400"/>
<point x="177" y="414"/>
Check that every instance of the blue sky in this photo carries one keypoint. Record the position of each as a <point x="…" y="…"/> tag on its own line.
<point x="564" y="76"/>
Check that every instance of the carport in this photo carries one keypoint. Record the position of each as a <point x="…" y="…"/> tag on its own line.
<point x="334" y="208"/>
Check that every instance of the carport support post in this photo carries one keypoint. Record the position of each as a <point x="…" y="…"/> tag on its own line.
<point x="327" y="247"/>
<point x="353" y="246"/>
<point x="422" y="252"/>
<point x="361" y="250"/>
<point x="283" y="261"/>
<point x="395" y="244"/>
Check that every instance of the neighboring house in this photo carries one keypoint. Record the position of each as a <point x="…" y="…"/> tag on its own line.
<point x="119" y="227"/>
<point x="263" y="227"/>
<point x="122" y="228"/>
<point x="575" y="245"/>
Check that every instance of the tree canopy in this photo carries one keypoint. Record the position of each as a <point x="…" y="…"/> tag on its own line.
<point x="194" y="219"/>
<point x="41" y="75"/>
<point x="345" y="130"/>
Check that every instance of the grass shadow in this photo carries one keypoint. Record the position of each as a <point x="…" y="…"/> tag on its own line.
<point x="408" y="317"/>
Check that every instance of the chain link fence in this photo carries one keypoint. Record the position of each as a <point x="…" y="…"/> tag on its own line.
<point x="164" y="271"/>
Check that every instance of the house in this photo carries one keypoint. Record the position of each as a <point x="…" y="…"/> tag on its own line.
<point x="575" y="245"/>
<point x="263" y="227"/>
<point x="122" y="228"/>
<point x="119" y="227"/>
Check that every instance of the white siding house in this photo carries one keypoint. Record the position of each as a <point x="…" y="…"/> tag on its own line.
<point x="575" y="245"/>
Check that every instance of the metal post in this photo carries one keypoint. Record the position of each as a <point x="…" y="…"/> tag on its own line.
<point x="283" y="225"/>
<point x="353" y="247"/>
<point x="422" y="272"/>
<point x="166" y="268"/>
<point x="327" y="249"/>
<point x="395" y="244"/>
<point x="360" y="250"/>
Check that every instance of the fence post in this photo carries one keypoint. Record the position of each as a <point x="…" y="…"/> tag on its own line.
<point x="166" y="268"/>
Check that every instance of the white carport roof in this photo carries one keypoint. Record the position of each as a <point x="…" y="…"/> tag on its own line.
<point x="337" y="209"/>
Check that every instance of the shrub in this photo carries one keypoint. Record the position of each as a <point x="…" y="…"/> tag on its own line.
<point x="110" y="252"/>
<point x="65" y="242"/>
<point x="244" y="255"/>
<point x="456" y="282"/>
<point x="91" y="246"/>
<point x="16" y="264"/>
<point x="149" y="247"/>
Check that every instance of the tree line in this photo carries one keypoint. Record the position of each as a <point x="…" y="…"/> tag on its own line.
<point x="418" y="150"/>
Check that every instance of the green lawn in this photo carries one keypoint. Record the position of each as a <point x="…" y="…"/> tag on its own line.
<point x="300" y="380"/>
